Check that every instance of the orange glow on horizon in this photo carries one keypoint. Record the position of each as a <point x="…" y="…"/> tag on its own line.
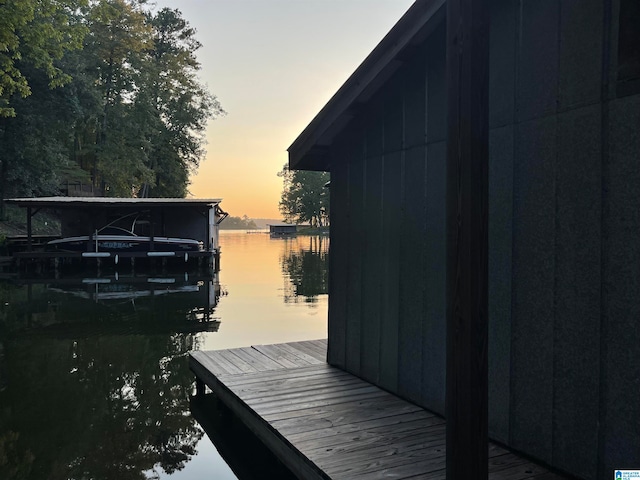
<point x="273" y="65"/>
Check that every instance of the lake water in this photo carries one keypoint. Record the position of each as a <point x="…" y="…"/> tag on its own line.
<point x="94" y="380"/>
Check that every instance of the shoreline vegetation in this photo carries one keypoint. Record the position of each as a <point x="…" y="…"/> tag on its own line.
<point x="15" y="223"/>
<point x="246" y="223"/>
<point x="305" y="230"/>
<point x="108" y="103"/>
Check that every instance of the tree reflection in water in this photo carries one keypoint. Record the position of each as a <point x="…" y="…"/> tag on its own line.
<point x="80" y="399"/>
<point x="233" y="440"/>
<point x="307" y="269"/>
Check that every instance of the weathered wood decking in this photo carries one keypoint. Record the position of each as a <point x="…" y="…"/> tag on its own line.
<point x="322" y="422"/>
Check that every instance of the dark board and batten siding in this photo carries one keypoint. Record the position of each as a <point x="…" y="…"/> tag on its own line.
<point x="389" y="189"/>
<point x="564" y="249"/>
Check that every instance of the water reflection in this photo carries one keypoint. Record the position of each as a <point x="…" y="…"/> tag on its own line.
<point x="179" y="303"/>
<point x="233" y="440"/>
<point x="306" y="265"/>
<point x="94" y="376"/>
<point x="94" y="381"/>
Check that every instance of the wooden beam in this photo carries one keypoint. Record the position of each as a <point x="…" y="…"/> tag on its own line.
<point x="467" y="238"/>
<point x="153" y="215"/>
<point x="29" y="230"/>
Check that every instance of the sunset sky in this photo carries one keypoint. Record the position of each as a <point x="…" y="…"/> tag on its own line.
<point x="273" y="64"/>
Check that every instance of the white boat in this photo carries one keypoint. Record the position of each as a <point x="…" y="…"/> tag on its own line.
<point x="111" y="238"/>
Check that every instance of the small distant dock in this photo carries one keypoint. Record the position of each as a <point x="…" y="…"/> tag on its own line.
<point x="283" y="230"/>
<point x="324" y="423"/>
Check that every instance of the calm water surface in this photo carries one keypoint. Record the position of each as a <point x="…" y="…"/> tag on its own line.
<point x="94" y="381"/>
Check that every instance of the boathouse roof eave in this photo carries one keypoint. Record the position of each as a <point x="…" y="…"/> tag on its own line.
<point x="310" y="150"/>
<point x="71" y="202"/>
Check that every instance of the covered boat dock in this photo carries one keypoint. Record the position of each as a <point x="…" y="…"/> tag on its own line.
<point x="158" y="218"/>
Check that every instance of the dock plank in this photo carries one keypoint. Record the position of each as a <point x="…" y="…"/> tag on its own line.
<point x="396" y="466"/>
<point x="426" y="440"/>
<point x="316" y="349"/>
<point x="279" y="375"/>
<point x="221" y="362"/>
<point x="239" y="363"/>
<point x="324" y="423"/>
<point x="320" y="345"/>
<point x="216" y="365"/>
<point x="322" y="403"/>
<point x="379" y="403"/>
<point x="330" y="446"/>
<point x="359" y="429"/>
<point x="309" y="382"/>
<point x="259" y="361"/>
<point x="363" y="432"/>
<point x="299" y="351"/>
<point x="316" y="418"/>
<point x="318" y="392"/>
<point x="283" y="356"/>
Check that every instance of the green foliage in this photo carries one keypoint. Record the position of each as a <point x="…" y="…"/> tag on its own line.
<point x="307" y="270"/>
<point x="180" y="105"/>
<point x="118" y="38"/>
<point x="308" y="231"/>
<point x="35" y="33"/>
<point x="114" y="373"/>
<point x="43" y="223"/>
<point x="304" y="197"/>
<point x="34" y="146"/>
<point x="238" y="223"/>
<point x="129" y="113"/>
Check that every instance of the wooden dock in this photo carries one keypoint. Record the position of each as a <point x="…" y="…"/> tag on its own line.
<point x="324" y="423"/>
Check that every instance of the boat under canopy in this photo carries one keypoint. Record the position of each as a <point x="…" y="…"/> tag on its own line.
<point x="119" y="228"/>
<point x="117" y="238"/>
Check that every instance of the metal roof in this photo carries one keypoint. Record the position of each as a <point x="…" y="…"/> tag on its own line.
<point x="310" y="150"/>
<point x="69" y="202"/>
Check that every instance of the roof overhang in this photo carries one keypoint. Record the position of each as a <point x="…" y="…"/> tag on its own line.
<point x="112" y="202"/>
<point x="310" y="151"/>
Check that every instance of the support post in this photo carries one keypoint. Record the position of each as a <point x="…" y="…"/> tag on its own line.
<point x="91" y="244"/>
<point x="467" y="239"/>
<point x="199" y="387"/>
<point x="211" y="243"/>
<point x="152" y="221"/>
<point x="29" y="231"/>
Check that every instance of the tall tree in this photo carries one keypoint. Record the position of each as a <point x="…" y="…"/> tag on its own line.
<point x="305" y="197"/>
<point x="150" y="133"/>
<point x="179" y="104"/>
<point x="118" y="38"/>
<point x="35" y="32"/>
<point x="32" y="163"/>
<point x="129" y="114"/>
<point x="34" y="36"/>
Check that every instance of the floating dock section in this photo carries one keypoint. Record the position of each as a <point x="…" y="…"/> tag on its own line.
<point x="324" y="423"/>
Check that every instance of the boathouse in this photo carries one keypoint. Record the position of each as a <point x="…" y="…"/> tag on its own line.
<point x="563" y="231"/>
<point x="283" y="229"/>
<point x="174" y="218"/>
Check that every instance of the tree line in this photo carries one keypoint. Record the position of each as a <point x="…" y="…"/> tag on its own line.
<point x="238" y="223"/>
<point x="103" y="92"/>
<point x="305" y="196"/>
